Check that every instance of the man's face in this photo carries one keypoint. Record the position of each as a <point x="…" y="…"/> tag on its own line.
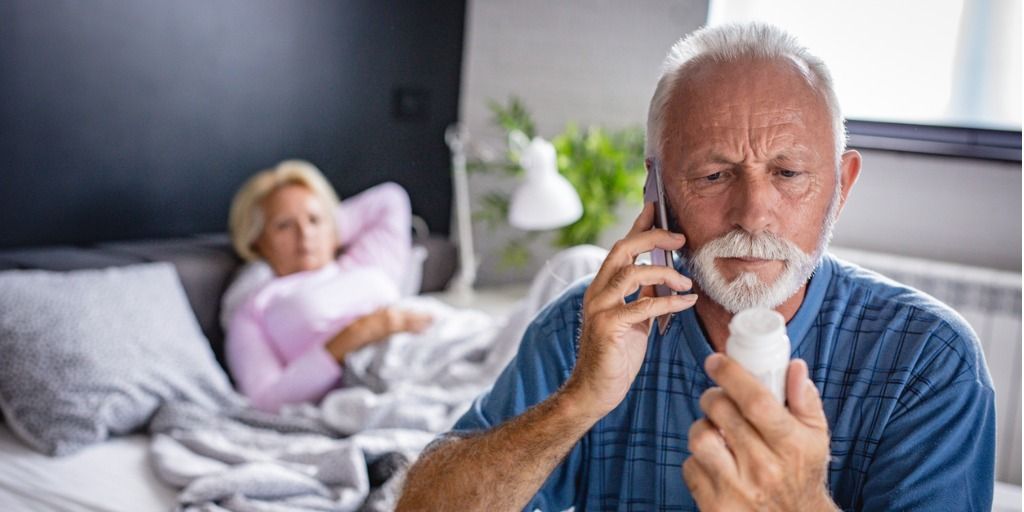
<point x="749" y="148"/>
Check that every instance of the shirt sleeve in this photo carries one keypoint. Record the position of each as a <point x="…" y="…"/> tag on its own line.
<point x="261" y="375"/>
<point x="544" y="362"/>
<point x="375" y="229"/>
<point x="938" y="450"/>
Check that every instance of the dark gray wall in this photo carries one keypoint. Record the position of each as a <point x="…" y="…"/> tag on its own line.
<point x="126" y="119"/>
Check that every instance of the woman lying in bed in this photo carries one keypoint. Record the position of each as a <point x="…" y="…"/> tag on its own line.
<point x="336" y="268"/>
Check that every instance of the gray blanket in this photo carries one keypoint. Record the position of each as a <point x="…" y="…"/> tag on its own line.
<point x="349" y="452"/>
<point x="249" y="461"/>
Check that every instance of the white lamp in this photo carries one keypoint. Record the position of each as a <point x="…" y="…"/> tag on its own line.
<point x="545" y="199"/>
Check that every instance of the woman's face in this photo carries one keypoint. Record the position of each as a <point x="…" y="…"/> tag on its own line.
<point x="298" y="234"/>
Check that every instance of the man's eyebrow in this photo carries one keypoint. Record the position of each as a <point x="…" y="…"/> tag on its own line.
<point x="796" y="153"/>
<point x="712" y="158"/>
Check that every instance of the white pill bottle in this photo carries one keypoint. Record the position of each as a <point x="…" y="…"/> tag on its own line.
<point x="758" y="341"/>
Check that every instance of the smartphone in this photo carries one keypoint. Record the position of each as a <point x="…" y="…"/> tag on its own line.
<point x="654" y="192"/>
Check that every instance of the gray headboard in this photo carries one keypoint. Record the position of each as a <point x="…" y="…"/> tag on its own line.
<point x="205" y="264"/>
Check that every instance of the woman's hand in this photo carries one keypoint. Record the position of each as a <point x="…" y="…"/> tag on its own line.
<point x="396" y="320"/>
<point x="375" y="327"/>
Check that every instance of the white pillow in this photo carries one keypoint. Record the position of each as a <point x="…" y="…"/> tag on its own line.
<point x="90" y="353"/>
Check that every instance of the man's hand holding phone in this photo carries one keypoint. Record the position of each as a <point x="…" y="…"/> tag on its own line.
<point x="613" y="339"/>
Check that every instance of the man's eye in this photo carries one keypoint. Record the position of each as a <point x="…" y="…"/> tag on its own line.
<point x="713" y="177"/>
<point x="786" y="173"/>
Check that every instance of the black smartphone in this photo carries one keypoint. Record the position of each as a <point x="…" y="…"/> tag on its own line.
<point x="654" y="192"/>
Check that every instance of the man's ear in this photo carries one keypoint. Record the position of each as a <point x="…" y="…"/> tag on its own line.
<point x="849" y="171"/>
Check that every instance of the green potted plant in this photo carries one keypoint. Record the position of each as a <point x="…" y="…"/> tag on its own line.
<point x="606" y="167"/>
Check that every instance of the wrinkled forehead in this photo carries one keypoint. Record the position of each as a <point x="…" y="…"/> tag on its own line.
<point x="748" y="92"/>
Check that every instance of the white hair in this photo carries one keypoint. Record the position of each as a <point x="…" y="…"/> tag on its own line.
<point x="727" y="43"/>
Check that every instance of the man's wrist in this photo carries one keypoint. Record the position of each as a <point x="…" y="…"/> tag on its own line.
<point x="577" y="403"/>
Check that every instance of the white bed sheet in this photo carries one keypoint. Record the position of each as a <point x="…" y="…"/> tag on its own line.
<point x="113" y="476"/>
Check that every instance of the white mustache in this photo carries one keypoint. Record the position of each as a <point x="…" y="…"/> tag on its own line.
<point x="764" y="246"/>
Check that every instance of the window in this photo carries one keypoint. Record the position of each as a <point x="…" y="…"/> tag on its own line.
<point x="931" y="76"/>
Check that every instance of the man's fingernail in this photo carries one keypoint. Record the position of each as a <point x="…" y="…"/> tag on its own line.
<point x="713" y="362"/>
<point x="811" y="387"/>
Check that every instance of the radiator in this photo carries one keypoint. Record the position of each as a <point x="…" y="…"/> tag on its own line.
<point x="990" y="301"/>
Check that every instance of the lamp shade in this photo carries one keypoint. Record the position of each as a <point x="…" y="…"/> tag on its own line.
<point x="545" y="199"/>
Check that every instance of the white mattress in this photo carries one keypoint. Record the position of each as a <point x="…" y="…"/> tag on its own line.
<point x="113" y="476"/>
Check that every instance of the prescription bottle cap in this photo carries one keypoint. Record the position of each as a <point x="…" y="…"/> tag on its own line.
<point x="757" y="328"/>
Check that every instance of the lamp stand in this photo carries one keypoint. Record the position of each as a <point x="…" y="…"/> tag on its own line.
<point x="465" y="277"/>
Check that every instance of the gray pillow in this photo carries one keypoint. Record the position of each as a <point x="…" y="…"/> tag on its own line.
<point x="91" y="353"/>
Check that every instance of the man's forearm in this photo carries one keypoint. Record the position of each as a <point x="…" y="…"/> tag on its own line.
<point x="500" y="469"/>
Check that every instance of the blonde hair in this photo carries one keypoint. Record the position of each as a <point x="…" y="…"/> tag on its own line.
<point x="247" y="218"/>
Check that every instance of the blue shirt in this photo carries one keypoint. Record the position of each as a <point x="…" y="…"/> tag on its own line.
<point x="909" y="401"/>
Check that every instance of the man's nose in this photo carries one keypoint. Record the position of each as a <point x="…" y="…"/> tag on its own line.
<point x="753" y="205"/>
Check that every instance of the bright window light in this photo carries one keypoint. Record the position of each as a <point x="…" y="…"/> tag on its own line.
<point x="933" y="62"/>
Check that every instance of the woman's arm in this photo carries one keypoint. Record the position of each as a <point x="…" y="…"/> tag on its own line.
<point x="269" y="383"/>
<point x="376" y="326"/>
<point x="263" y="377"/>
<point x="375" y="229"/>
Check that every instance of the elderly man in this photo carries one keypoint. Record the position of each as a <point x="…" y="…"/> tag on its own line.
<point x="888" y="401"/>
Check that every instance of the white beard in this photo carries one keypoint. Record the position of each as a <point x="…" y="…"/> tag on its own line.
<point x="747" y="290"/>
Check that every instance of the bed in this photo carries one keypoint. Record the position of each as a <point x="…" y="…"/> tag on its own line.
<point x="112" y="476"/>
<point x="119" y="474"/>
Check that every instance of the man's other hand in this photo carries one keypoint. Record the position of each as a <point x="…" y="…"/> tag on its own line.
<point x="750" y="452"/>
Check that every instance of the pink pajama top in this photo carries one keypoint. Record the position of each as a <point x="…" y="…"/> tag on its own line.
<point x="276" y="340"/>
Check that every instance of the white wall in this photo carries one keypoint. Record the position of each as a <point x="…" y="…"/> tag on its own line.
<point x="953" y="209"/>
<point x="596" y="62"/>
<point x="592" y="61"/>
<point x="589" y="61"/>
